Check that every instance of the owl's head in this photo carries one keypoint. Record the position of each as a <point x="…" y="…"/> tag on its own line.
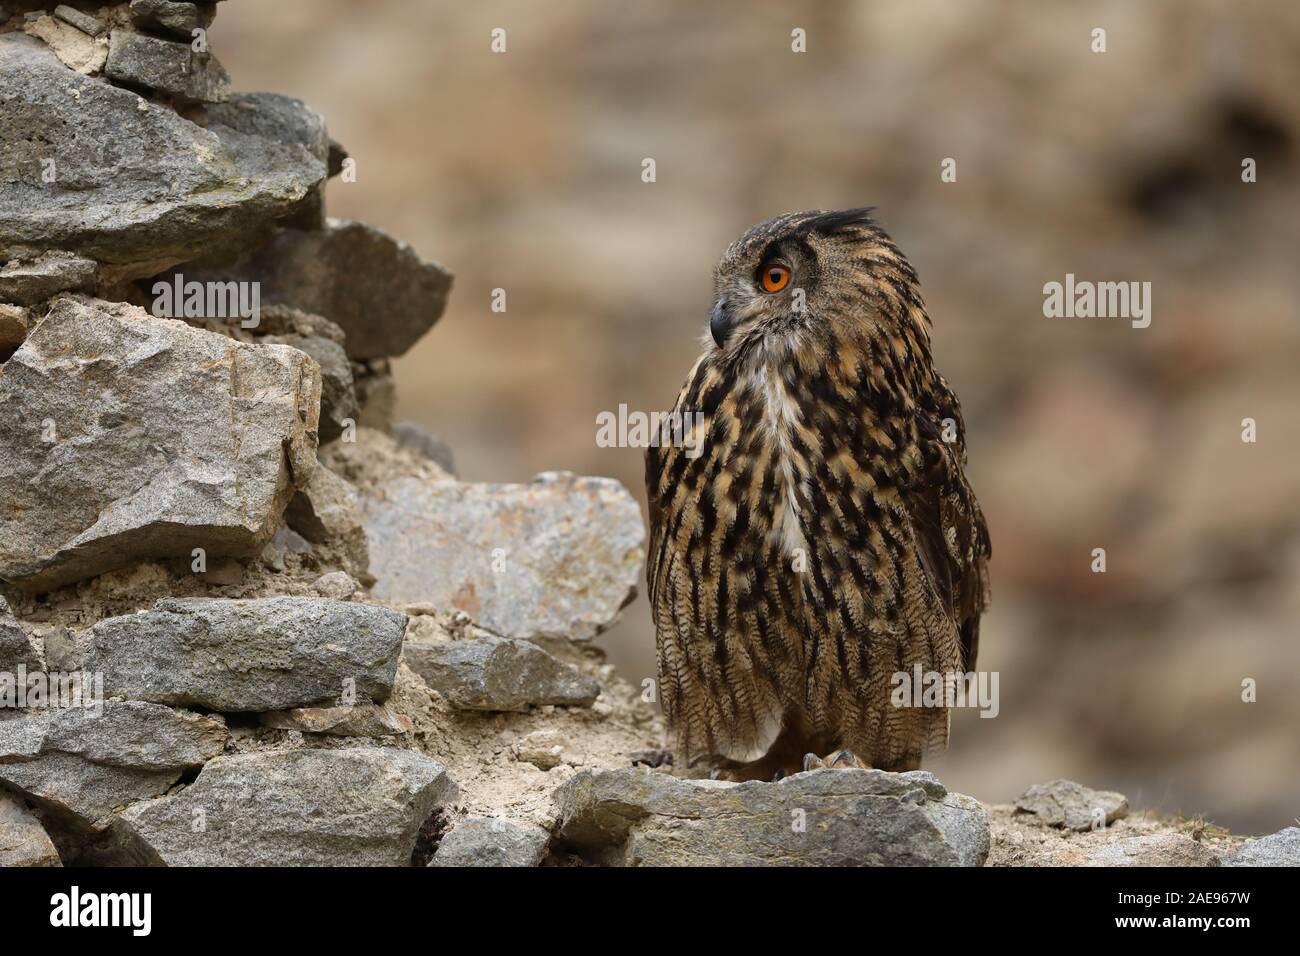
<point x="803" y="272"/>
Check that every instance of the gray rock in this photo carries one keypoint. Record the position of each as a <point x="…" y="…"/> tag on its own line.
<point x="498" y="674"/>
<point x="80" y="793"/>
<point x="33" y="279"/>
<point x="82" y="21"/>
<point x="273" y="117"/>
<point x="557" y="557"/>
<point x="326" y="512"/>
<point x="166" y="66"/>
<point x="282" y="320"/>
<point x="284" y="542"/>
<point x="165" y="439"/>
<point x="360" y="720"/>
<point x="488" y="841"/>
<point x="80" y="767"/>
<point x="13" y="329"/>
<point x="352" y="807"/>
<point x="16" y="648"/>
<point x="249" y="655"/>
<point x="338" y="400"/>
<point x="177" y="18"/>
<point x="1156" y="849"/>
<point x="23" y="841"/>
<point x="376" y="393"/>
<point x="1064" y="803"/>
<point x="66" y="650"/>
<point x="131" y="734"/>
<point x="337" y="584"/>
<point x="137" y="187"/>
<point x="412" y="436"/>
<point x="821" y="818"/>
<point x="1277" y="849"/>
<point x="375" y="288"/>
<point x="286" y="120"/>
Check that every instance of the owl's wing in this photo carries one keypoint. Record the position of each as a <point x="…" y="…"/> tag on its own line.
<point x="664" y="467"/>
<point x="952" y="537"/>
<point x="673" y="583"/>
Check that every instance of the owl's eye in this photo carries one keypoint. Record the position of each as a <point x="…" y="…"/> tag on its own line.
<point x="774" y="276"/>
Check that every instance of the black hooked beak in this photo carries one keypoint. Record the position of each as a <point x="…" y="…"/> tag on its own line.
<point x="720" y="322"/>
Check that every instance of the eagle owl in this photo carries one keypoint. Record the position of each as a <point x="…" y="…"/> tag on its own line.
<point x="812" y="532"/>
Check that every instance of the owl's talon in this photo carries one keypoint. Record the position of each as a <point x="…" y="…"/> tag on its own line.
<point x="779" y="775"/>
<point x="839" y="759"/>
<point x="844" y="758"/>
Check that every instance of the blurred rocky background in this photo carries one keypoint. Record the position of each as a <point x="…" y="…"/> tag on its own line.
<point x="522" y="171"/>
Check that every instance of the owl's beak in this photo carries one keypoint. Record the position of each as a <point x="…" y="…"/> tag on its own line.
<point x="720" y="322"/>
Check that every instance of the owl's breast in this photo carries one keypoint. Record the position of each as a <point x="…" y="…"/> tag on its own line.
<point x="772" y="414"/>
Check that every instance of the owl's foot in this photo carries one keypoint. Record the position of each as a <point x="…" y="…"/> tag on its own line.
<point x="839" y="759"/>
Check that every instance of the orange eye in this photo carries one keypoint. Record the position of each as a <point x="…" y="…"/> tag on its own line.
<point x="774" y="276"/>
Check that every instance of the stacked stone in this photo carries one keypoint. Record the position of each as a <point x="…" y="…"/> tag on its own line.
<point x="128" y="437"/>
<point x="147" y="433"/>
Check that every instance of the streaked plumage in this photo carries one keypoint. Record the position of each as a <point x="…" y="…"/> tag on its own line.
<point x="826" y="537"/>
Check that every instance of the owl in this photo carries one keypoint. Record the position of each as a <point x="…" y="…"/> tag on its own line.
<point x="812" y="532"/>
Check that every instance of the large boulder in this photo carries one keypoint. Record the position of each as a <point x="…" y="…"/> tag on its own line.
<point x="353" y="807"/>
<point x="252" y="655"/>
<point x="557" y="557"/>
<point x="823" y="817"/>
<point x="383" y="295"/>
<point x="95" y="169"/>
<point x="128" y="437"/>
